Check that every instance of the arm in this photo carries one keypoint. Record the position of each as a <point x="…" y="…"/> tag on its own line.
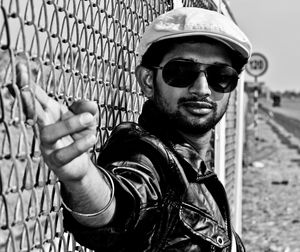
<point x="66" y="136"/>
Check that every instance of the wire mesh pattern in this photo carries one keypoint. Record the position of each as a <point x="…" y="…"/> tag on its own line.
<point x="207" y="4"/>
<point x="230" y="150"/>
<point x="73" y="49"/>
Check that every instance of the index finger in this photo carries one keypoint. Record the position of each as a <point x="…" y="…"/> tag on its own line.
<point x="35" y="100"/>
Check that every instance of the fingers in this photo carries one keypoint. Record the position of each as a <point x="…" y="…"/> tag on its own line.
<point x="65" y="145"/>
<point x="62" y="156"/>
<point x="36" y="103"/>
<point x="31" y="107"/>
<point x="65" y="134"/>
<point x="79" y="125"/>
<point x="24" y="85"/>
<point x="25" y="89"/>
<point x="84" y="106"/>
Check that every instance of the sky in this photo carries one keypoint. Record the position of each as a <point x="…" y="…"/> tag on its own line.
<point x="273" y="28"/>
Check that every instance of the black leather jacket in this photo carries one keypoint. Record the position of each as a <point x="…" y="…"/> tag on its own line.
<point x="168" y="199"/>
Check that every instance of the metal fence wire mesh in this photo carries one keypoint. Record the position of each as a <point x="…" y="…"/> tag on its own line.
<point x="230" y="151"/>
<point x="73" y="49"/>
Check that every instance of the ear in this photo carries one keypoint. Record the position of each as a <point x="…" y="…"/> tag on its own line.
<point x="145" y="77"/>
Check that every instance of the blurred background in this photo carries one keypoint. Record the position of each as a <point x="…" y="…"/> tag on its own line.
<point x="271" y="205"/>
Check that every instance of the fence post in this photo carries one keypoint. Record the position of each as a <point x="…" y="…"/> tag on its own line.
<point x="240" y="126"/>
<point x="220" y="143"/>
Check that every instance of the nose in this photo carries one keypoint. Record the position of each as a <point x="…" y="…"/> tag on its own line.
<point x="200" y="85"/>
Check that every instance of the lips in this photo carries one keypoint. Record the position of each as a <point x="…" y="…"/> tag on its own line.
<point x="197" y="107"/>
<point x="198" y="104"/>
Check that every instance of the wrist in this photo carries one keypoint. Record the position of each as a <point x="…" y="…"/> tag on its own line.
<point x="97" y="212"/>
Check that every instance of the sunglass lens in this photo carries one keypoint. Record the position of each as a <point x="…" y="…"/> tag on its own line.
<point x="222" y="79"/>
<point x="179" y="73"/>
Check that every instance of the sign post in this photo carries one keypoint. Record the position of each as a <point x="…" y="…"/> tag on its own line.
<point x="257" y="66"/>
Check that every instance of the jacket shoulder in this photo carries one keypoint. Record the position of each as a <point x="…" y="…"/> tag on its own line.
<point x="129" y="132"/>
<point x="129" y="138"/>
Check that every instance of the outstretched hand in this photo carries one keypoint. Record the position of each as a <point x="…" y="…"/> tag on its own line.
<point x="66" y="134"/>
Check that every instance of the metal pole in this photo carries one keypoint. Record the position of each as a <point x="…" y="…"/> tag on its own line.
<point x="240" y="127"/>
<point x="255" y="97"/>
<point x="219" y="6"/>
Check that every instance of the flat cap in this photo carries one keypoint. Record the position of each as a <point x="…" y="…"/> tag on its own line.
<point x="192" y="21"/>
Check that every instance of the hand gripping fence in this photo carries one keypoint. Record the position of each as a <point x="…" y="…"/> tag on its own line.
<point x="73" y="49"/>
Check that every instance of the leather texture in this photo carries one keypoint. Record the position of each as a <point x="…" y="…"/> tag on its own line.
<point x="168" y="199"/>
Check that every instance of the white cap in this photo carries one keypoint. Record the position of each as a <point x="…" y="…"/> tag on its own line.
<point x="192" y="21"/>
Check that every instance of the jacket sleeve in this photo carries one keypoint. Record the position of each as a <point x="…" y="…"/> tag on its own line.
<point x="138" y="199"/>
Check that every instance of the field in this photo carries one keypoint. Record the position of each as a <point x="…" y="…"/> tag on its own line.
<point x="287" y="115"/>
<point x="289" y="107"/>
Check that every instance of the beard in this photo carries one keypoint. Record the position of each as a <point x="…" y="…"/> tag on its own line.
<point x="188" y="123"/>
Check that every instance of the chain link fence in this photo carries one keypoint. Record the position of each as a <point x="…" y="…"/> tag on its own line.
<point x="73" y="49"/>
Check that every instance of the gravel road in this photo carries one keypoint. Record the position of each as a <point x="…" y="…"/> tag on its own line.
<point x="271" y="192"/>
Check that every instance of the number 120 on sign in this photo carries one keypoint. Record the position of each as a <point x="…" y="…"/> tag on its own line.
<point x="257" y="65"/>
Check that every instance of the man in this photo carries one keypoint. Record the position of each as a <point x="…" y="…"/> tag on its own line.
<point x="152" y="188"/>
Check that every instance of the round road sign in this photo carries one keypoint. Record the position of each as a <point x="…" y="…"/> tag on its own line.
<point x="257" y="65"/>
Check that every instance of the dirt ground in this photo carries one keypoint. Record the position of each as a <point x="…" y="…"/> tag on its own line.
<point x="271" y="192"/>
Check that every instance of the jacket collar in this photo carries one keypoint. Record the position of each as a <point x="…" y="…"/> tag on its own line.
<point x="157" y="124"/>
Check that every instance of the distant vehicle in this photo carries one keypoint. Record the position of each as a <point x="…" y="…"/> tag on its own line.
<point x="276" y="100"/>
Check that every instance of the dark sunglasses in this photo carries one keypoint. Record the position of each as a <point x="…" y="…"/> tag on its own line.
<point x="183" y="73"/>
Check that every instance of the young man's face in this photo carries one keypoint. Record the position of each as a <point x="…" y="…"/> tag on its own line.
<point x="197" y="108"/>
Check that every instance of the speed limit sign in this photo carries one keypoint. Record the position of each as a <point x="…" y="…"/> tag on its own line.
<point x="257" y="65"/>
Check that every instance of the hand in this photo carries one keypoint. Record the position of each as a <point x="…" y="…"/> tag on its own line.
<point x="66" y="134"/>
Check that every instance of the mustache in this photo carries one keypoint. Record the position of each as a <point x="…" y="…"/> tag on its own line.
<point x="197" y="99"/>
